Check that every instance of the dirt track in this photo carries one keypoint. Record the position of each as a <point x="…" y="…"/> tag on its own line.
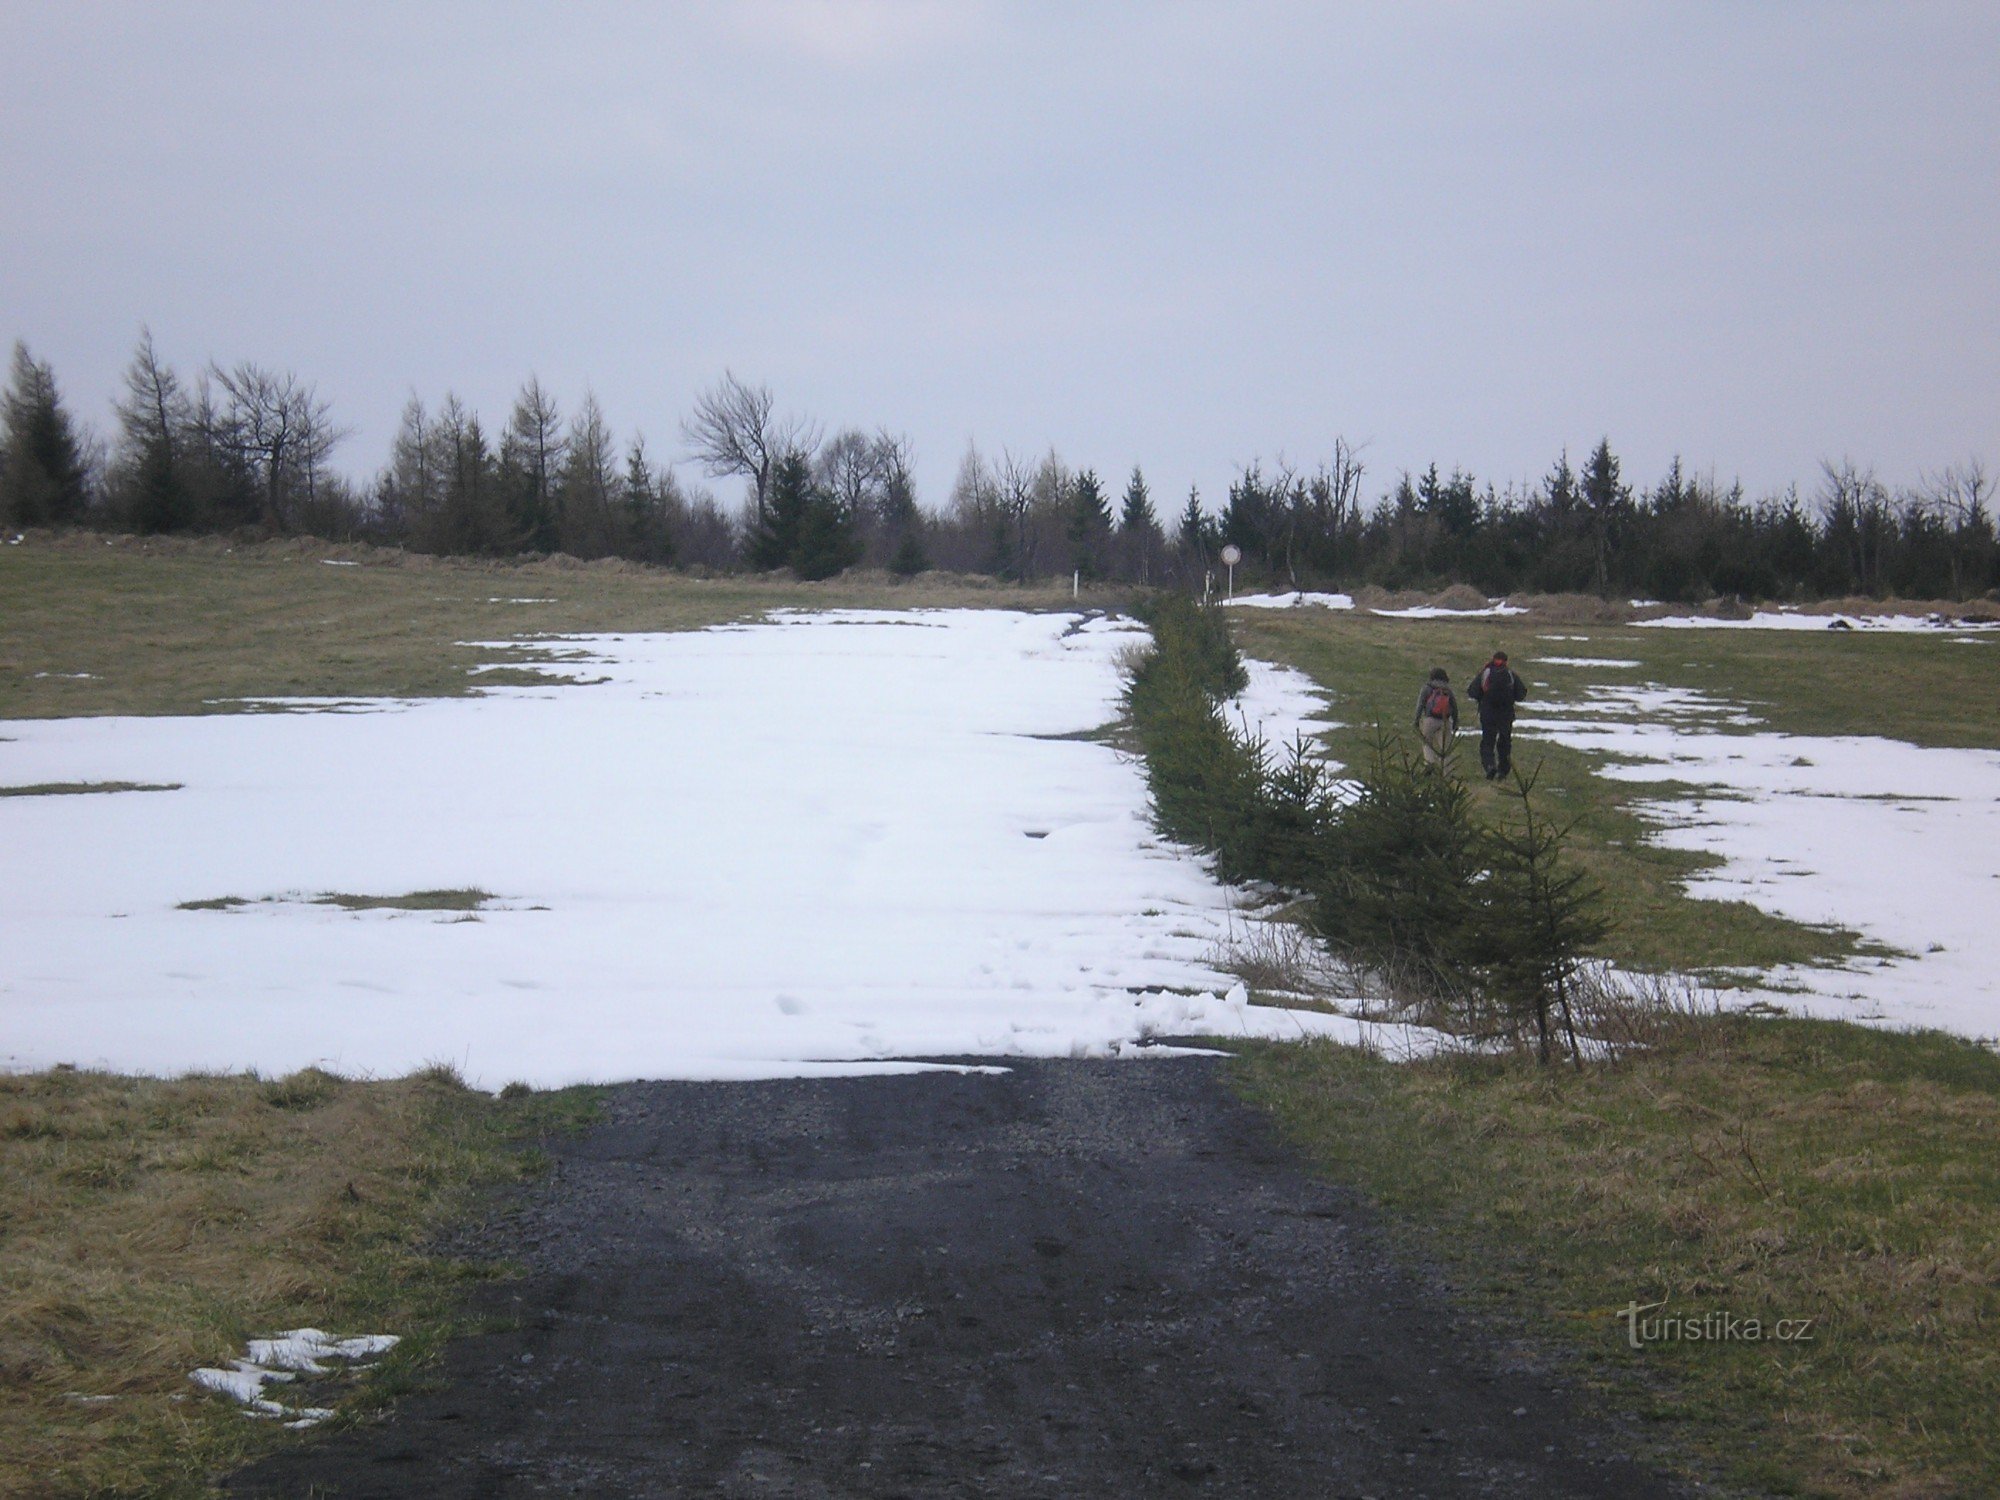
<point x="1073" y="1279"/>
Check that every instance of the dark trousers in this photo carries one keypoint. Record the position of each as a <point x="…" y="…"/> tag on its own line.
<point x="1496" y="746"/>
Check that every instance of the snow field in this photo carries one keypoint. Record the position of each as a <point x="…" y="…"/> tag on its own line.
<point x="818" y="844"/>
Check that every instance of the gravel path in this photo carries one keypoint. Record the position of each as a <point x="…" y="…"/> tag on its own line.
<point x="1070" y="1279"/>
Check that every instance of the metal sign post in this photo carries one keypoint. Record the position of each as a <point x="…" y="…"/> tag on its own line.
<point x="1231" y="556"/>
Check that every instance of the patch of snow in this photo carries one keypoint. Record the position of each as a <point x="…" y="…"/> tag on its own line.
<point x="242" y="1381"/>
<point x="1898" y="842"/>
<point x="823" y="810"/>
<point x="1649" y="700"/>
<point x="1588" y="661"/>
<point x="1280" y="705"/>
<point x="1439" y="612"/>
<point x="1295" y="600"/>
<point x="305" y="1350"/>
<point x="1789" y="619"/>
<point x="337" y="562"/>
<point x="497" y="599"/>
<point x="283" y="1358"/>
<point x="69" y="676"/>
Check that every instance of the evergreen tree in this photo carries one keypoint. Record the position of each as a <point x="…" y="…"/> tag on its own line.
<point x="150" y="480"/>
<point x="1089" y="528"/>
<point x="829" y="537"/>
<point x="1544" y="916"/>
<point x="1607" y="498"/>
<point x="1138" y="530"/>
<point x="44" y="480"/>
<point x="473" y="517"/>
<point x="775" y="541"/>
<point x="909" y="558"/>
<point x="1399" y="886"/>
<point x="648" y="534"/>
<point x="1195" y="531"/>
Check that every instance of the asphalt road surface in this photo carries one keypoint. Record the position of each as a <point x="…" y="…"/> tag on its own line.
<point x="1070" y="1279"/>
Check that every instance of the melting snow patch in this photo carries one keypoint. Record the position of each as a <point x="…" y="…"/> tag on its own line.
<point x="1897" y="842"/>
<point x="1440" y="612"/>
<point x="1297" y="600"/>
<point x="1586" y="661"/>
<point x="1785" y="619"/>
<point x="283" y="1358"/>
<point x="827" y="808"/>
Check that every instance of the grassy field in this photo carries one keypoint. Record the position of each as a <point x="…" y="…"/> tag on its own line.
<point x="151" y="1226"/>
<point x="1843" y="1181"/>
<point x="1779" y="1170"/>
<point x="1735" y="1169"/>
<point x="1924" y="689"/>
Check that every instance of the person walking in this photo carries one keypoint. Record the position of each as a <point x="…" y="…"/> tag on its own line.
<point x="1437" y="716"/>
<point x="1496" y="690"/>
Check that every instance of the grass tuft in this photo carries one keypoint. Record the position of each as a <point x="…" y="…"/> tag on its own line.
<point x="461" y="899"/>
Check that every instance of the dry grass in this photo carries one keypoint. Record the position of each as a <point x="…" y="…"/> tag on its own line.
<point x="465" y="899"/>
<point x="151" y="1226"/>
<point x="98" y="625"/>
<point x="86" y="788"/>
<point x="1759" y="1169"/>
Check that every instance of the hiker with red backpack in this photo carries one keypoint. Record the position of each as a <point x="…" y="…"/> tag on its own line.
<point x="1496" y="690"/>
<point x="1437" y="716"/>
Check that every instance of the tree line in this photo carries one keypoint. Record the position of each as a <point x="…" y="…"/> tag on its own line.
<point x="246" y="448"/>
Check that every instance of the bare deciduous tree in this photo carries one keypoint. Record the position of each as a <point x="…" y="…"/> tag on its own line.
<point x="1960" y="497"/>
<point x="531" y="454"/>
<point x="734" y="430"/>
<point x="279" y="430"/>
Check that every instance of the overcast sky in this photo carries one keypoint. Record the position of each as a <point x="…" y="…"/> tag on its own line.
<point x="1757" y="234"/>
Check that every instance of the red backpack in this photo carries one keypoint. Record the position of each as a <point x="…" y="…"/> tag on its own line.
<point x="1437" y="703"/>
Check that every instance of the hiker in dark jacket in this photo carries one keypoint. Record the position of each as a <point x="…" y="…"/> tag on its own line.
<point x="1496" y="690"/>
<point x="1437" y="716"/>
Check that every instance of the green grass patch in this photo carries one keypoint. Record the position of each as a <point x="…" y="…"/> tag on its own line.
<point x="1923" y="689"/>
<point x="154" y="1225"/>
<point x="1739" y="1169"/>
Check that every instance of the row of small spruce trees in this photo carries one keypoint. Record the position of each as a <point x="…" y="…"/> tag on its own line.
<point x="1490" y="925"/>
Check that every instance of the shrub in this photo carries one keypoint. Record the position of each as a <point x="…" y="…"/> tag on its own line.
<point x="1405" y="884"/>
<point x="1400" y="885"/>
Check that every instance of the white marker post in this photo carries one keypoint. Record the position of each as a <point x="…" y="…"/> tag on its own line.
<point x="1231" y="556"/>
